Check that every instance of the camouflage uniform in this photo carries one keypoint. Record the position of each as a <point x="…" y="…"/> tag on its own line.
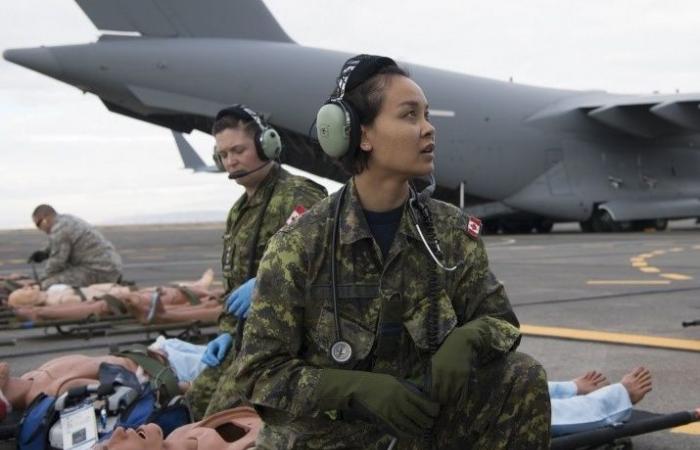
<point x="382" y="306"/>
<point x="285" y="192"/>
<point x="79" y="255"/>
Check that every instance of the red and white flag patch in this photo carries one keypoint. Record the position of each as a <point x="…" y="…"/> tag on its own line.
<point x="473" y="227"/>
<point x="299" y="211"/>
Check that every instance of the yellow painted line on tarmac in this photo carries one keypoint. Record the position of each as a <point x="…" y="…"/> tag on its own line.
<point x="676" y="276"/>
<point x="612" y="338"/>
<point x="627" y="282"/>
<point x="658" y="252"/>
<point x="13" y="261"/>
<point x="639" y="264"/>
<point x="691" y="428"/>
<point x="649" y="269"/>
<point x="646" y="255"/>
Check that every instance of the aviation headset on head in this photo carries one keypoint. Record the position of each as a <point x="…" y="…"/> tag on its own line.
<point x="337" y="122"/>
<point x="268" y="143"/>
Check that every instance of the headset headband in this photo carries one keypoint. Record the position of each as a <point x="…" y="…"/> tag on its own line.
<point x="242" y="112"/>
<point x="356" y="71"/>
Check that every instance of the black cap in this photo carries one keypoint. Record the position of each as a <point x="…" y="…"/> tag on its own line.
<point x="357" y="70"/>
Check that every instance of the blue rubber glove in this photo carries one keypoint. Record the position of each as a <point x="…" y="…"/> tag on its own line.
<point x="238" y="302"/>
<point x="217" y="350"/>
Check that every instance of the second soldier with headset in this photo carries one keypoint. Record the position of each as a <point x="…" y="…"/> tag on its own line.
<point x="247" y="148"/>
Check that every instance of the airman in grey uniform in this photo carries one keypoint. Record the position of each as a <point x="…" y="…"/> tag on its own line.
<point x="78" y="254"/>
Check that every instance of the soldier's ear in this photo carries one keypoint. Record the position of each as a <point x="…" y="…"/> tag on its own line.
<point x="365" y="143"/>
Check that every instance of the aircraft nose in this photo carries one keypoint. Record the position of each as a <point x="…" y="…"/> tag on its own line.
<point x="40" y="59"/>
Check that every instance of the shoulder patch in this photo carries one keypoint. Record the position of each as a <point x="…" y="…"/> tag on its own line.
<point x="473" y="227"/>
<point x="298" y="211"/>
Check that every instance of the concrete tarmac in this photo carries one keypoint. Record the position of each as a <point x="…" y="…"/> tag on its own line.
<point x="636" y="287"/>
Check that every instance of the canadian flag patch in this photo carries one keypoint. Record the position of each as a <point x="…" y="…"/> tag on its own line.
<point x="473" y="227"/>
<point x="299" y="210"/>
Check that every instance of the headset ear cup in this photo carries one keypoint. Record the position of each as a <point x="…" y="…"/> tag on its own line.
<point x="334" y="129"/>
<point x="270" y="143"/>
<point x="217" y="160"/>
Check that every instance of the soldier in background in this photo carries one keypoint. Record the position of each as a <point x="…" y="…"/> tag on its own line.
<point x="77" y="255"/>
<point x="376" y="317"/>
<point x="247" y="148"/>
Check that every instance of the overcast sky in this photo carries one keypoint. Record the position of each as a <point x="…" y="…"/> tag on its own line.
<point x="60" y="146"/>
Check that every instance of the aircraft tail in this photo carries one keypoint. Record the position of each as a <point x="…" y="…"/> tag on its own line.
<point x="190" y="158"/>
<point x="233" y="19"/>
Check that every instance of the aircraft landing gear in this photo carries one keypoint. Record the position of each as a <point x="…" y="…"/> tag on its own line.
<point x="602" y="222"/>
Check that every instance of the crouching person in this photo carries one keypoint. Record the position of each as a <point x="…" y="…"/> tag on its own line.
<point x="376" y="322"/>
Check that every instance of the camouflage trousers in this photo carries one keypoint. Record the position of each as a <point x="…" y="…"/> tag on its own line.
<point x="213" y="390"/>
<point x="78" y="276"/>
<point x="505" y="406"/>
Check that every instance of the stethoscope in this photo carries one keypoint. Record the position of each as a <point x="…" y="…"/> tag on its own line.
<point x="341" y="351"/>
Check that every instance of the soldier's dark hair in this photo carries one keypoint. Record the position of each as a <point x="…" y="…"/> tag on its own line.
<point x="366" y="99"/>
<point x="249" y="126"/>
<point x="44" y="210"/>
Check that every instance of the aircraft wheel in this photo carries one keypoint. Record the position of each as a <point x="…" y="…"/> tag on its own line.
<point x="544" y="226"/>
<point x="660" y="224"/>
<point x="603" y="222"/>
<point x="586" y="226"/>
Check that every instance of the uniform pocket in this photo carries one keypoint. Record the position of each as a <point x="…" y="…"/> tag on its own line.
<point x="358" y="313"/>
<point x="415" y="320"/>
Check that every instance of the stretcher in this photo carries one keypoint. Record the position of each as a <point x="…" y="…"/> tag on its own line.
<point x="615" y="437"/>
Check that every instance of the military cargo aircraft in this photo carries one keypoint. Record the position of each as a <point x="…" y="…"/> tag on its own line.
<point x="521" y="157"/>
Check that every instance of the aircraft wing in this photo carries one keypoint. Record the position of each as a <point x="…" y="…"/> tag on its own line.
<point x="644" y="117"/>
<point x="247" y="19"/>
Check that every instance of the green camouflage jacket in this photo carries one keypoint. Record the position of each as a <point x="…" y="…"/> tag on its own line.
<point x="291" y="325"/>
<point x="289" y="195"/>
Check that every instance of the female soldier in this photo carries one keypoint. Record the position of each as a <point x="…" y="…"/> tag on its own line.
<point x="376" y="317"/>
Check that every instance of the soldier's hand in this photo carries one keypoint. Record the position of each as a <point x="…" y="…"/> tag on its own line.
<point x="379" y="397"/>
<point x="452" y="364"/>
<point x="38" y="256"/>
<point x="217" y="350"/>
<point x="238" y="303"/>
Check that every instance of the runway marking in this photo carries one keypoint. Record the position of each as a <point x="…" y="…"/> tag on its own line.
<point x="691" y="428"/>
<point x="676" y="249"/>
<point x="649" y="269"/>
<point x="676" y="276"/>
<point x="627" y="282"/>
<point x="13" y="261"/>
<point x="659" y="252"/>
<point x="639" y="264"/>
<point x="646" y="255"/>
<point x="612" y="338"/>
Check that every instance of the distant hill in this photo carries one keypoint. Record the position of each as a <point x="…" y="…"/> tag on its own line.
<point x="174" y="217"/>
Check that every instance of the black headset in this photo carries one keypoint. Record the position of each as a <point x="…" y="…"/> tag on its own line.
<point x="268" y="143"/>
<point x="337" y="122"/>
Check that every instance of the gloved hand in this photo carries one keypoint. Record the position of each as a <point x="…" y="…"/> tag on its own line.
<point x="38" y="256"/>
<point x="238" y="302"/>
<point x="217" y="350"/>
<point x="452" y="363"/>
<point x="382" y="397"/>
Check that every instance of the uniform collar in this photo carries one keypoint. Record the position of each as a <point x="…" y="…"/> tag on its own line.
<point x="265" y="185"/>
<point x="353" y="224"/>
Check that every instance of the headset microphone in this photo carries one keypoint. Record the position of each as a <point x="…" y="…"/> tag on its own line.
<point x="245" y="173"/>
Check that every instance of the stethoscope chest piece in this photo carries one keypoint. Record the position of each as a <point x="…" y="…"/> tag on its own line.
<point x="341" y="352"/>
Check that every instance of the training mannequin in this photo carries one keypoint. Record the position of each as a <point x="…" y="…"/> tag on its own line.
<point x="233" y="429"/>
<point x="67" y="304"/>
<point x="55" y="377"/>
